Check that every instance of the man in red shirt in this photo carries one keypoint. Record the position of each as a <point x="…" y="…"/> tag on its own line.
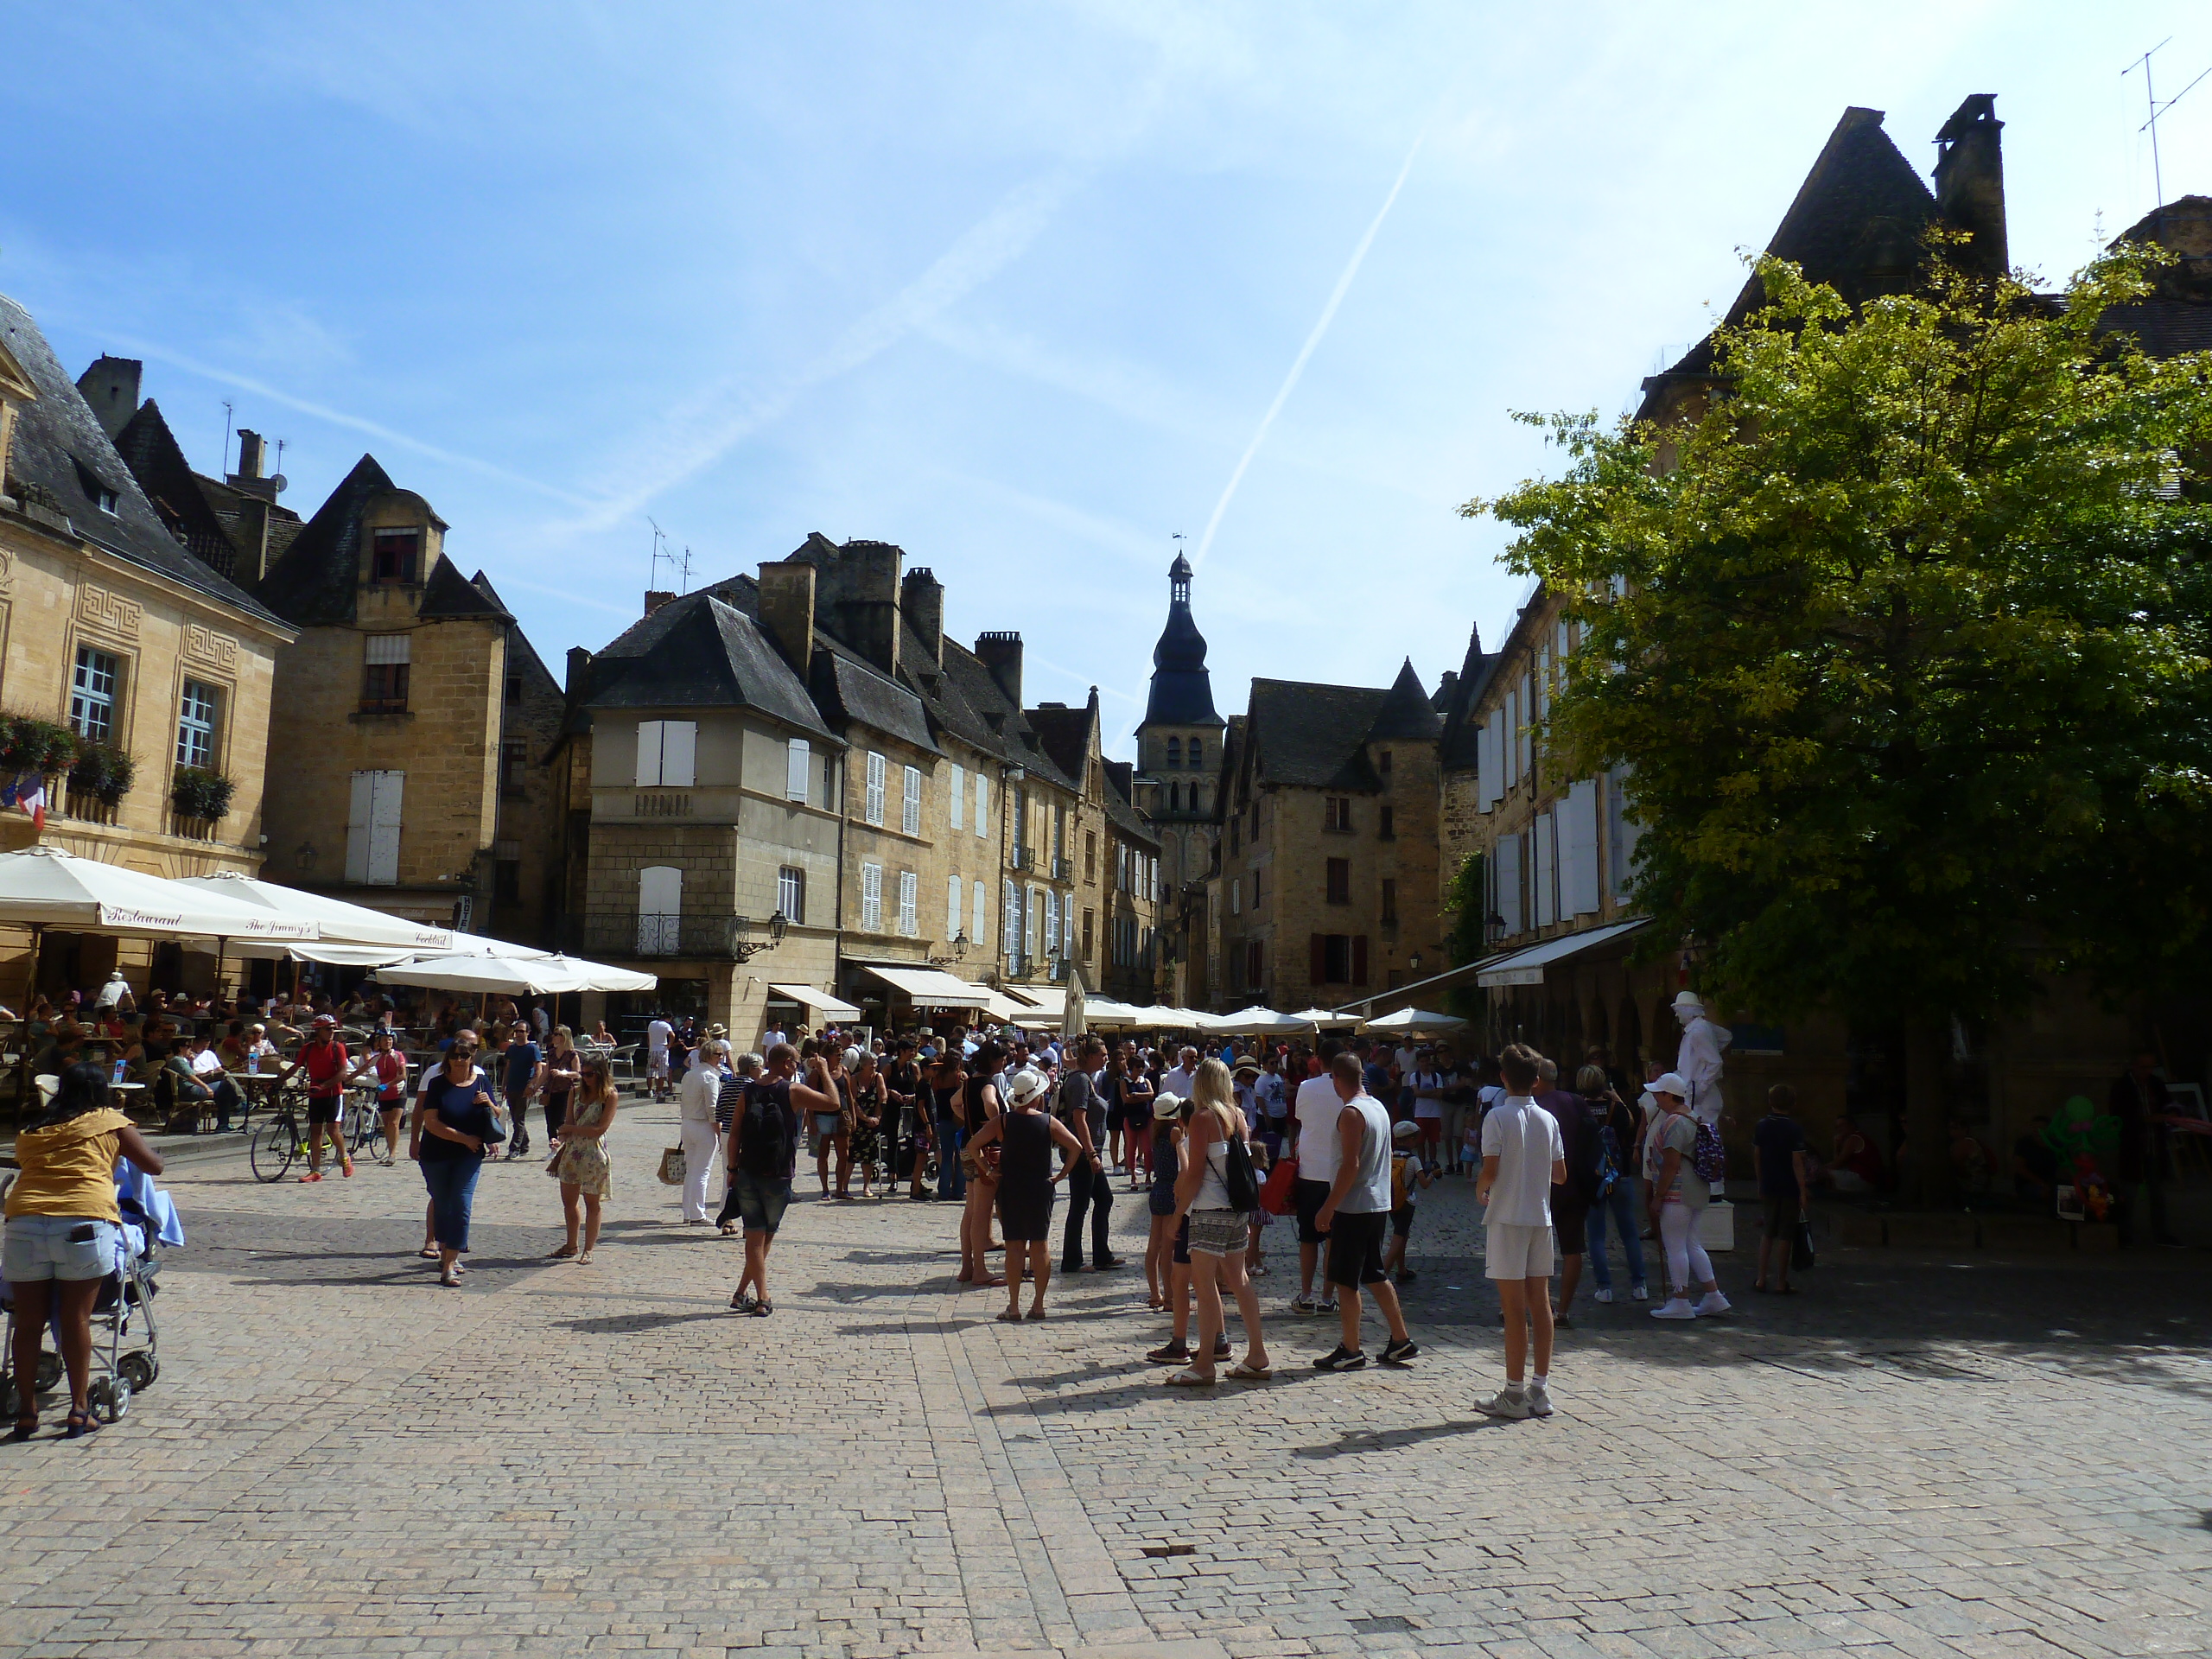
<point x="323" y="1058"/>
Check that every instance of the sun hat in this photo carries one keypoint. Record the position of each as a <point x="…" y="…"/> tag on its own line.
<point x="1024" y="1086"/>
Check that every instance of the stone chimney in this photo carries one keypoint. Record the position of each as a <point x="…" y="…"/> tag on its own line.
<point x="1001" y="654"/>
<point x="921" y="600"/>
<point x="111" y="386"/>
<point x="251" y="477"/>
<point x="579" y="672"/>
<point x="1970" y="183"/>
<point x="657" y="597"/>
<point x="787" y="609"/>
<point x="858" y="600"/>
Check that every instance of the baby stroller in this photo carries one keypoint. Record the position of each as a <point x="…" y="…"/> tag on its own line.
<point x="125" y="1357"/>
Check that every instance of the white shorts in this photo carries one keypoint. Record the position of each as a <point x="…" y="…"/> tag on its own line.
<point x="1518" y="1252"/>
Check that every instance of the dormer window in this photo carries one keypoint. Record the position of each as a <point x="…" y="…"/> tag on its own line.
<point x="395" y="555"/>
<point x="104" y="498"/>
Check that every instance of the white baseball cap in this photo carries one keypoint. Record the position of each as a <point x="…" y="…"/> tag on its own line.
<point x="1672" y="1083"/>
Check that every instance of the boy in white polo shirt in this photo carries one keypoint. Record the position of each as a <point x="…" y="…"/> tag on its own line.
<point x="1523" y="1159"/>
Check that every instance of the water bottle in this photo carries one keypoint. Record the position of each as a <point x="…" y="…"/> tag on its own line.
<point x="119" y="1066"/>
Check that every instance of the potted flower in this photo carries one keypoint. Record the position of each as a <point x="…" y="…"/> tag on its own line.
<point x="200" y="792"/>
<point x="103" y="770"/>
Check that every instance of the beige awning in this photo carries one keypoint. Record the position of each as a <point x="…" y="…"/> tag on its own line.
<point x="820" y="1002"/>
<point x="929" y="988"/>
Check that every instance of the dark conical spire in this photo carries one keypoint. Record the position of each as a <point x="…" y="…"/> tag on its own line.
<point x="1182" y="690"/>
<point x="1406" y="711"/>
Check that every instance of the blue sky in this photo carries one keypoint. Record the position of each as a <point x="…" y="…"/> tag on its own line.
<point x="1020" y="288"/>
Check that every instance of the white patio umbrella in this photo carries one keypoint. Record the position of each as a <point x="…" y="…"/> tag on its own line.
<point x="1104" y="1013"/>
<point x="1325" y="1018"/>
<point x="539" y="976"/>
<point x="43" y="886"/>
<point x="1414" y="1019"/>
<point x="336" y="920"/>
<point x="1256" y="1022"/>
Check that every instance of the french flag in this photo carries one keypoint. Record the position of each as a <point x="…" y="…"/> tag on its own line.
<point x="30" y="795"/>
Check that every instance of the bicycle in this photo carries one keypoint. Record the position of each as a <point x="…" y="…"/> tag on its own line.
<point x="280" y="1142"/>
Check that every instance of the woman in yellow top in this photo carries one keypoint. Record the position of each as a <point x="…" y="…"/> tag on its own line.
<point x="62" y="1233"/>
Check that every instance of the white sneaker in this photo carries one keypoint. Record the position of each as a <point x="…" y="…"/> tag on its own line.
<point x="1604" y="1296"/>
<point x="1507" y="1401"/>
<point x="1638" y="1293"/>
<point x="1539" y="1400"/>
<point x="1680" y="1308"/>
<point x="1714" y="1303"/>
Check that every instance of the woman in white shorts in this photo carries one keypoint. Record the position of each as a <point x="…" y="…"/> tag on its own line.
<point x="1219" y="1234"/>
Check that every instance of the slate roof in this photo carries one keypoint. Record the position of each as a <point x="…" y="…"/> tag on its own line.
<point x="1313" y="736"/>
<point x="449" y="594"/>
<point x="150" y="450"/>
<point x="1407" y="714"/>
<point x="1121" y="804"/>
<point x="1182" y="690"/>
<point x="60" y="449"/>
<point x="1856" y="224"/>
<point x="1461" y="738"/>
<point x="2177" y="317"/>
<point x="700" y="651"/>
<point x="315" y="581"/>
<point x="1064" y="733"/>
<point x="858" y="691"/>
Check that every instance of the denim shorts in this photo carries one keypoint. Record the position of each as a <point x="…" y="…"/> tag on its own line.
<point x="760" y="1200"/>
<point x="39" y="1248"/>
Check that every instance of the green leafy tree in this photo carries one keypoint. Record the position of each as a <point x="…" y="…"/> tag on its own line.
<point x="1907" y="639"/>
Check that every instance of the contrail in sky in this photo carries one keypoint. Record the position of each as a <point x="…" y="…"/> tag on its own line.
<point x="1321" y="327"/>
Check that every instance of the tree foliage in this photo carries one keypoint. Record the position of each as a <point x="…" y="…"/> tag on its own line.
<point x="1907" y="639"/>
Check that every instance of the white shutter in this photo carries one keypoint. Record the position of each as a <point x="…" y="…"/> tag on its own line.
<point x="1010" y="918"/>
<point x="1528" y="761"/>
<point x="1578" y="882"/>
<point x="956" y="796"/>
<point x="1543" y="703"/>
<point x="1509" y="881"/>
<point x="1067" y="929"/>
<point x="649" y="743"/>
<point x="795" y="763"/>
<point x="871" y="898"/>
<point x="1051" y="922"/>
<point x="1486" y="766"/>
<point x="983" y="807"/>
<point x="357" y="828"/>
<point x="952" y="912"/>
<point x="1512" y="737"/>
<point x="981" y="937"/>
<point x="1544" y="866"/>
<point x="383" y="828"/>
<point x="910" y="809"/>
<point x="909" y="896"/>
<point x="679" y="747"/>
<point x="1030" y="917"/>
<point x="875" y="806"/>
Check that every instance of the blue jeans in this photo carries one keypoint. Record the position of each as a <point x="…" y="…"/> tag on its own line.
<point x="452" y="1182"/>
<point x="1621" y="1201"/>
<point x="950" y="1183"/>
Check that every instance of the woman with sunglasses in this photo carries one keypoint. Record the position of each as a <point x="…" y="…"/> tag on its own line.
<point x="455" y="1121"/>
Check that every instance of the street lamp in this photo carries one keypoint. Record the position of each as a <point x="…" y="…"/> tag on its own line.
<point x="1495" y="926"/>
<point x="959" y="950"/>
<point x="745" y="949"/>
<point x="1413" y="961"/>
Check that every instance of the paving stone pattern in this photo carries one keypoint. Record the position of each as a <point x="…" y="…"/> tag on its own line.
<point x="1917" y="1456"/>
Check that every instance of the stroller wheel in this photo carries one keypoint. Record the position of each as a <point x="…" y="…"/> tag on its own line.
<point x="138" y="1369"/>
<point x="110" y="1398"/>
<point x="49" y="1373"/>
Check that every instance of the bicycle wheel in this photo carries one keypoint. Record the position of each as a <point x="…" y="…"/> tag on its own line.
<point x="276" y="1144"/>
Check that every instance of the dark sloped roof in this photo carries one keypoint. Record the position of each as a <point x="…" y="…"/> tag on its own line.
<point x="857" y="692"/>
<point x="150" y="450"/>
<point x="1065" y="733"/>
<point x="519" y="650"/>
<point x="449" y="594"/>
<point x="1405" y="714"/>
<point x="316" y="580"/>
<point x="1461" y="738"/>
<point x="62" y="449"/>
<point x="1121" y="804"/>
<point x="1182" y="690"/>
<point x="698" y="651"/>
<point x="1313" y="736"/>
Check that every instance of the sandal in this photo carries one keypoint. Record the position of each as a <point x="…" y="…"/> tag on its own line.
<point x="1190" y="1380"/>
<point x="1244" y="1372"/>
<point x="80" y="1424"/>
<point x="584" y="1260"/>
<point x="561" y="1254"/>
<point x="449" y="1281"/>
<point x="741" y="1302"/>
<point x="1012" y="1316"/>
<point x="730" y="1230"/>
<point x="24" y="1428"/>
<point x="1036" y="1313"/>
<point x="762" y="1310"/>
<point x="428" y="1253"/>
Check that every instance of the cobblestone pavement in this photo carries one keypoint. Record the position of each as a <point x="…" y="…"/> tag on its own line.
<point x="1917" y="1456"/>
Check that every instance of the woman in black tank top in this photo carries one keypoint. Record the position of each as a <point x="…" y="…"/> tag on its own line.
<point x="1023" y="1134"/>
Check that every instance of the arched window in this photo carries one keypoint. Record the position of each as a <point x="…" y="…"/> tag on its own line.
<point x="1174" y="794"/>
<point x="1174" y="751"/>
<point x="660" y="909"/>
<point x="1198" y="749"/>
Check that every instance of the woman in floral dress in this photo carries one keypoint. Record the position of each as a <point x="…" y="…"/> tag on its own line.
<point x="581" y="1166"/>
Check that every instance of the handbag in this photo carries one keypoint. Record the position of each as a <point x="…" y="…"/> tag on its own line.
<point x="1275" y="1192"/>
<point x="1801" y="1247"/>
<point x="672" y="1167"/>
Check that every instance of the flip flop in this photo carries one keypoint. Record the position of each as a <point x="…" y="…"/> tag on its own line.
<point x="1244" y="1373"/>
<point x="1036" y="1313"/>
<point x="1010" y="1317"/>
<point x="561" y="1254"/>
<point x="427" y="1256"/>
<point x="1190" y="1380"/>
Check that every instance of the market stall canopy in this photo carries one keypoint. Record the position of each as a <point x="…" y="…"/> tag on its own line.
<point x="330" y="955"/>
<point x="929" y="988"/>
<point x="1326" y="1019"/>
<point x="1006" y="1011"/>
<point x="1050" y="1000"/>
<point x="1414" y="1019"/>
<point x="43" y="886"/>
<point x="1255" y="1022"/>
<point x="1526" y="967"/>
<point x="336" y="920"/>
<point x="817" y="1002"/>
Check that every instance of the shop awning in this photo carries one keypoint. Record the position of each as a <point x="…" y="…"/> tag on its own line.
<point x="1528" y="967"/>
<point x="820" y="1002"/>
<point x="928" y="988"/>
<point x="1050" y="1001"/>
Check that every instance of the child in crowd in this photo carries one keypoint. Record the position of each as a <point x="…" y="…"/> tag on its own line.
<point x="1408" y="1174"/>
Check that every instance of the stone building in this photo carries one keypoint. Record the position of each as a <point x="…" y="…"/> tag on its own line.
<point x="1178" y="745"/>
<point x="111" y="626"/>
<point x="1109" y="857"/>
<point x="1327" y="882"/>
<point x="935" y="862"/>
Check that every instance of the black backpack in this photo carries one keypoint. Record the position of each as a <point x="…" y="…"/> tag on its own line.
<point x="1238" y="1180"/>
<point x="767" y="1130"/>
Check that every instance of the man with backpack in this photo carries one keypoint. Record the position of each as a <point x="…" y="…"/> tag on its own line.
<point x="1680" y="1159"/>
<point x="763" y="1153"/>
<point x="1083" y="1108"/>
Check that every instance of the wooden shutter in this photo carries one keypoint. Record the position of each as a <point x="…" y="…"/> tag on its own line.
<point x="357" y="828"/>
<point x="951" y="906"/>
<point x="649" y="743"/>
<point x="1543" y="867"/>
<point x="1359" y="958"/>
<point x="1578" y="888"/>
<point x="1509" y="881"/>
<point x="956" y="796"/>
<point x="795" y="764"/>
<point x="983" y="807"/>
<point x="383" y="828"/>
<point x="910" y="807"/>
<point x="874" y="811"/>
<point x="679" y="747"/>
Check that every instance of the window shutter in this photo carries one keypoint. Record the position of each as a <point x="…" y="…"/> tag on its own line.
<point x="1359" y="959"/>
<point x="980" y="937"/>
<point x="795" y="764"/>
<point x="1509" y="881"/>
<point x="1010" y="918"/>
<point x="956" y="796"/>
<point x="1317" y="967"/>
<point x="910" y="810"/>
<point x="383" y="828"/>
<point x="871" y="898"/>
<point x="649" y="743"/>
<point x="951" y="907"/>
<point x="874" y="803"/>
<point x="983" y="807"/>
<point x="1579" y="888"/>
<point x="1512" y="737"/>
<point x="909" y="897"/>
<point x="679" y="744"/>
<point x="357" y="828"/>
<point x="1545" y="869"/>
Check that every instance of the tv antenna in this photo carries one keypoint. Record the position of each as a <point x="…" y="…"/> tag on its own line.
<point x="227" y="414"/>
<point x="678" y="564"/>
<point x="2156" y="109"/>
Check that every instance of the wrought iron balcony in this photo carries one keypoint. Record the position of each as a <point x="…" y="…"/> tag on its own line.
<point x="655" y="933"/>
